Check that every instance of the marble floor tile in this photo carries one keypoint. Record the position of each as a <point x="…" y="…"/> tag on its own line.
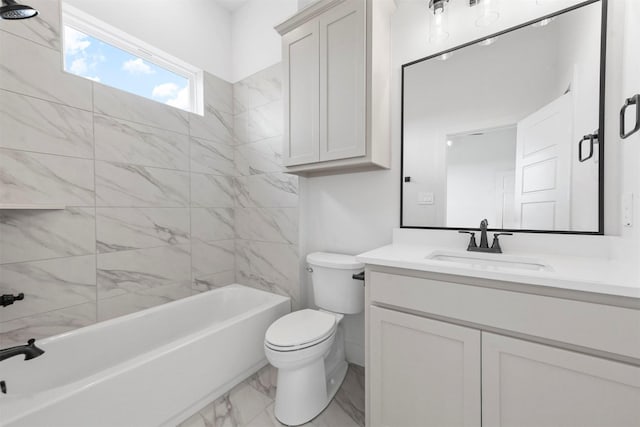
<point x="202" y="418"/>
<point x="350" y="397"/>
<point x="239" y="406"/>
<point x="251" y="403"/>
<point x="265" y="381"/>
<point x="32" y="124"/>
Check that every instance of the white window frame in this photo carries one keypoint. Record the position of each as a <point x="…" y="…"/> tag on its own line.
<point x="91" y="26"/>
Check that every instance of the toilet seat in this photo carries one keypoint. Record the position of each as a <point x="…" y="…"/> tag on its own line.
<point x="300" y="329"/>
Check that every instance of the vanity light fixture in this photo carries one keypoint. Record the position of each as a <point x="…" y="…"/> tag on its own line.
<point x="438" y="31"/>
<point x="487" y="12"/>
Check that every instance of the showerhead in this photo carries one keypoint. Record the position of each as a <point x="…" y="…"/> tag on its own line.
<point x="11" y="10"/>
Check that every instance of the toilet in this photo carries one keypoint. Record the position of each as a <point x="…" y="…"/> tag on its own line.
<point x="307" y="346"/>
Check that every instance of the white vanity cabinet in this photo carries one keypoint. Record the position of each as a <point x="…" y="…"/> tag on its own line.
<point x="459" y="351"/>
<point x="336" y="87"/>
<point x="529" y="384"/>
<point x="423" y="372"/>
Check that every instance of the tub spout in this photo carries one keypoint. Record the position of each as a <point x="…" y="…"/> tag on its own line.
<point x="30" y="351"/>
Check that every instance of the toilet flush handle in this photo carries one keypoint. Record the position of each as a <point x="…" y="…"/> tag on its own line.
<point x="310" y="270"/>
<point x="358" y="276"/>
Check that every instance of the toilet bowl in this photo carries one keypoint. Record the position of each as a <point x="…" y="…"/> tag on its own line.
<point x="307" y="346"/>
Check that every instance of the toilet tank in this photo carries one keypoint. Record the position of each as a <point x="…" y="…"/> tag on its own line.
<point x="334" y="288"/>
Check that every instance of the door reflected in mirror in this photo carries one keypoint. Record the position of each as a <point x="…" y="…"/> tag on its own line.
<point x="493" y="131"/>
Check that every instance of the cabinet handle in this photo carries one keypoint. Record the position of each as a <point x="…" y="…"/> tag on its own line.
<point x="591" y="138"/>
<point x="634" y="100"/>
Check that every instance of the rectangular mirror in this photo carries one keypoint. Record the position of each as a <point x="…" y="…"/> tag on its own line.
<point x="509" y="128"/>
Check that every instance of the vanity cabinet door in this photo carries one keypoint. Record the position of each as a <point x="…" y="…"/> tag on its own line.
<point x="528" y="384"/>
<point x="301" y="94"/>
<point x="423" y="372"/>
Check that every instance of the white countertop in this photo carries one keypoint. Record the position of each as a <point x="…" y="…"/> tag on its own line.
<point x="578" y="273"/>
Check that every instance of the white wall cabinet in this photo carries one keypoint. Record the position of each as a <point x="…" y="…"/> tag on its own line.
<point x="337" y="111"/>
<point x="450" y="351"/>
<point x="423" y="372"/>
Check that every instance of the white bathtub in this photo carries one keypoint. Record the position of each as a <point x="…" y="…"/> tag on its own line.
<point x="151" y="368"/>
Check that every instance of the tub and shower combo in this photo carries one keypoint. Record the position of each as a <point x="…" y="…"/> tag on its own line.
<point x="152" y="368"/>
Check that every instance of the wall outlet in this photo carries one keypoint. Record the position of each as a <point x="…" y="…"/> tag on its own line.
<point x="425" y="198"/>
<point x="627" y="209"/>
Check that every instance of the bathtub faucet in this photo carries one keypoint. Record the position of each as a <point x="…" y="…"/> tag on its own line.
<point x="30" y="351"/>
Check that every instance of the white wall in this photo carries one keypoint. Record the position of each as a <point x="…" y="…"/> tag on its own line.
<point x="197" y="31"/>
<point x="254" y="42"/>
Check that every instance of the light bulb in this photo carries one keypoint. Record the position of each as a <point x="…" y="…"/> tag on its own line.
<point x="487" y="13"/>
<point x="439" y="26"/>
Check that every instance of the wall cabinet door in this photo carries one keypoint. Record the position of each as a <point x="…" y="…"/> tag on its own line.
<point x="301" y="94"/>
<point x="528" y="384"/>
<point x="423" y="372"/>
<point x="342" y="81"/>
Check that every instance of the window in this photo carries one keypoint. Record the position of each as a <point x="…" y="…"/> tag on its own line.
<point x="100" y="52"/>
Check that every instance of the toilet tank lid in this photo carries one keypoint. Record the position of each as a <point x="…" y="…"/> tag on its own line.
<point x="329" y="260"/>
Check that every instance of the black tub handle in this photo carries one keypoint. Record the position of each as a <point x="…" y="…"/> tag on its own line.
<point x="591" y="138"/>
<point x="634" y="100"/>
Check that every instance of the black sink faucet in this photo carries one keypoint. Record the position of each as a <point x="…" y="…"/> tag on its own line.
<point x="30" y="351"/>
<point x="484" y="242"/>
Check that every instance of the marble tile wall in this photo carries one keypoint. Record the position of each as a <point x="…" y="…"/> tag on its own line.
<point x="149" y="190"/>
<point x="266" y="216"/>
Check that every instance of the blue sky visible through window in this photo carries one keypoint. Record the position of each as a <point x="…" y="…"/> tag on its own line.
<point x="94" y="59"/>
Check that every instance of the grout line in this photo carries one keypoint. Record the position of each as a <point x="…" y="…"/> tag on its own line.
<point x="58" y="32"/>
<point x="95" y="200"/>
<point x="45" y="100"/>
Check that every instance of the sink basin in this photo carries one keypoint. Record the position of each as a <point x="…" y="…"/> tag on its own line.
<point x="489" y="261"/>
